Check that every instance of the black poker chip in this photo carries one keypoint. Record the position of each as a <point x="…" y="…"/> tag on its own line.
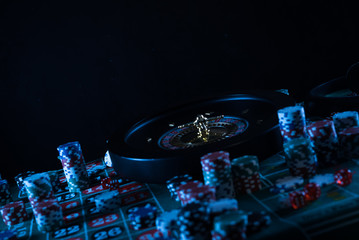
<point x="257" y="220"/>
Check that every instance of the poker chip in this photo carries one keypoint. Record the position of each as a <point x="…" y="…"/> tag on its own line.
<point x="216" y="169"/>
<point x="195" y="191"/>
<point x="245" y="173"/>
<point x="38" y="187"/>
<point x="108" y="201"/>
<point x="286" y="184"/>
<point x="14" y="213"/>
<point x="325" y="142"/>
<point x="176" y="181"/>
<point x="48" y="215"/>
<point x="323" y="179"/>
<point x="8" y="235"/>
<point x="5" y="195"/>
<point x="142" y="217"/>
<point x="193" y="221"/>
<point x="107" y="159"/>
<point x="292" y="122"/>
<point x="231" y="225"/>
<point x="221" y="206"/>
<point x="257" y="220"/>
<point x="349" y="142"/>
<point x="347" y="119"/>
<point x="54" y="180"/>
<point x="300" y="157"/>
<point x="20" y="182"/>
<point x="73" y="163"/>
<point x="167" y="221"/>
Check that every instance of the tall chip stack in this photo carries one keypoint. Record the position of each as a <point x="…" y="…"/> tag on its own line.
<point x="349" y="143"/>
<point x="292" y="122"/>
<point x="300" y="157"/>
<point x="193" y="222"/>
<point x="216" y="168"/>
<point x="343" y="120"/>
<point x="14" y="213"/>
<point x="325" y="142"/>
<point x="245" y="172"/>
<point x="73" y="163"/>
<point x="5" y="195"/>
<point x="38" y="187"/>
<point x="48" y="215"/>
<point x="176" y="181"/>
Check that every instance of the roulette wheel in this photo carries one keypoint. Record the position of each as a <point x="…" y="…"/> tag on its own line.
<point x="171" y="143"/>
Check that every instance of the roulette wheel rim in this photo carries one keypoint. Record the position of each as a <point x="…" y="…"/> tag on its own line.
<point x="136" y="153"/>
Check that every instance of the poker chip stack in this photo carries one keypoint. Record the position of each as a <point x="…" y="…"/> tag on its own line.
<point x="74" y="166"/>
<point x="343" y="120"/>
<point x="231" y="225"/>
<point x="245" y="172"/>
<point x="108" y="201"/>
<point x="167" y="221"/>
<point x="292" y="122"/>
<point x="300" y="157"/>
<point x="216" y="169"/>
<point x="39" y="188"/>
<point x="20" y="180"/>
<point x="8" y="235"/>
<point x="142" y="217"/>
<point x="176" y="181"/>
<point x="349" y="142"/>
<point x="5" y="195"/>
<point x="325" y="142"/>
<point x="48" y="215"/>
<point x="14" y="213"/>
<point x="193" y="222"/>
<point x="54" y="180"/>
<point x="221" y="206"/>
<point x="195" y="191"/>
<point x="257" y="220"/>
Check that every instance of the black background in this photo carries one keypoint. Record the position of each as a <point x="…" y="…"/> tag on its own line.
<point x="80" y="70"/>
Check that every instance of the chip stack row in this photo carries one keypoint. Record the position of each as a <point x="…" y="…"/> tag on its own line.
<point x="300" y="157"/>
<point x="193" y="191"/>
<point x="48" y="215"/>
<point x="245" y="171"/>
<point x="349" y="143"/>
<point x="325" y="142"/>
<point x="216" y="169"/>
<point x="38" y="187"/>
<point x="74" y="166"/>
<point x="193" y="222"/>
<point x="176" y="181"/>
<point x="343" y="120"/>
<point x="292" y="122"/>
<point x="108" y="201"/>
<point x="14" y="213"/>
<point x="5" y="195"/>
<point x="231" y="225"/>
<point x="142" y="217"/>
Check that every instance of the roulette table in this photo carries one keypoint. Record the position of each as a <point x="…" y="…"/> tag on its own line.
<point x="159" y="148"/>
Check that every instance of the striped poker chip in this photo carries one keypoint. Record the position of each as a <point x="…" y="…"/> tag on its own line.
<point x="292" y="122"/>
<point x="38" y="187"/>
<point x="193" y="221"/>
<point x="167" y="221"/>
<point x="323" y="179"/>
<point x="347" y="119"/>
<point x="287" y="184"/>
<point x="231" y="225"/>
<point x="143" y="216"/>
<point x="8" y="234"/>
<point x="48" y="215"/>
<point x="5" y="195"/>
<point x="14" y="213"/>
<point x="349" y="143"/>
<point x="108" y="201"/>
<point x="257" y="220"/>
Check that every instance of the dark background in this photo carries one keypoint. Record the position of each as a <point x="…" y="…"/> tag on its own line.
<point x="81" y="70"/>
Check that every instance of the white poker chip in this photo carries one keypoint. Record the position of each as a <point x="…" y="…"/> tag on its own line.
<point x="107" y="159"/>
<point x="288" y="183"/>
<point x="323" y="179"/>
